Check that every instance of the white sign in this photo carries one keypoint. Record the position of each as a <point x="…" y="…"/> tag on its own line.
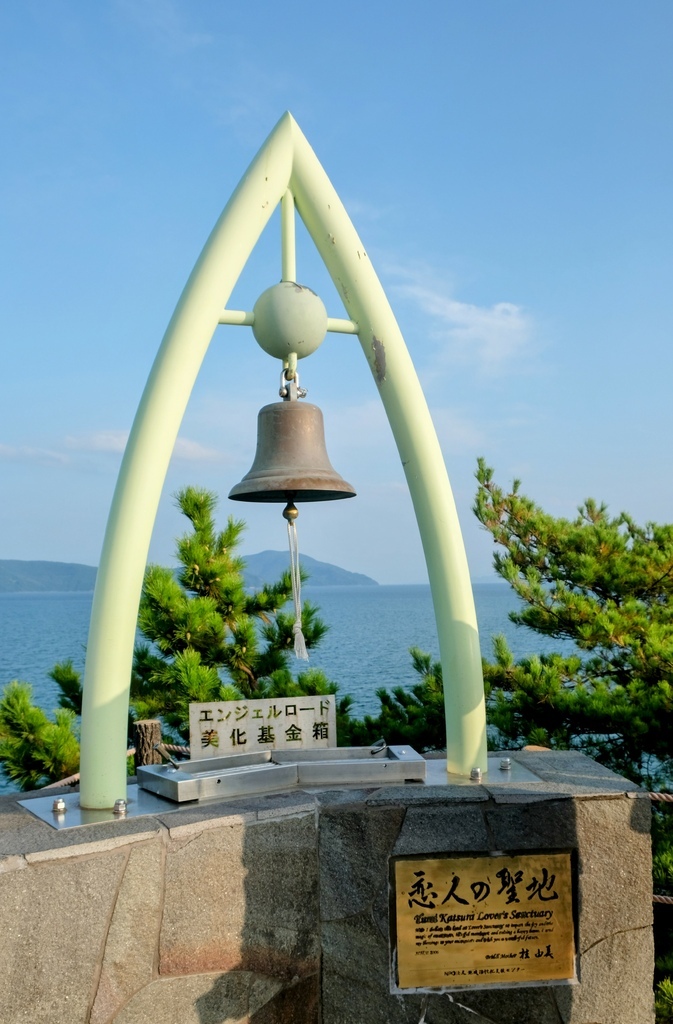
<point x="285" y="723"/>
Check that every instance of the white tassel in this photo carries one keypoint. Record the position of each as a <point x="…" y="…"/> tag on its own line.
<point x="299" y="642"/>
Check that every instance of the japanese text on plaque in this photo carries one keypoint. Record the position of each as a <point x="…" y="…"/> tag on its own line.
<point x="484" y="920"/>
<point x="285" y="723"/>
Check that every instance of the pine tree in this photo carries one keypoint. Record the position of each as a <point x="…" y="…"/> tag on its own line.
<point x="413" y="715"/>
<point x="33" y="748"/>
<point x="604" y="583"/>
<point x="206" y="637"/>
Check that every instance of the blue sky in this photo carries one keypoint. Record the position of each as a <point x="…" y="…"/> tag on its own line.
<point x="508" y="166"/>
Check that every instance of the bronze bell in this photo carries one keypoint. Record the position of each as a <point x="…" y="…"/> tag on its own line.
<point x="291" y="461"/>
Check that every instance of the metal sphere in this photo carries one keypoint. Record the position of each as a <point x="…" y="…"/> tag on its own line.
<point x="289" y="318"/>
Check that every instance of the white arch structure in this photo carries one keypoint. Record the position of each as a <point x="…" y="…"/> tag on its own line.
<point x="285" y="163"/>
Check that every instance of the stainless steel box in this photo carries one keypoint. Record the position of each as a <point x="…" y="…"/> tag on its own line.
<point x="270" y="770"/>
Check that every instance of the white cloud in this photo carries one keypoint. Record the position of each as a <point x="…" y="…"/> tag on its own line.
<point x="493" y="338"/>
<point x="194" y="451"/>
<point x="101" y="441"/>
<point x="114" y="441"/>
<point x="26" y="453"/>
<point x="359" y="436"/>
<point x="359" y="210"/>
<point x="165" y="23"/>
<point x="457" y="434"/>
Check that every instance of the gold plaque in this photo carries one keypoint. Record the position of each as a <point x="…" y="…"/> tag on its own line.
<point x="484" y="920"/>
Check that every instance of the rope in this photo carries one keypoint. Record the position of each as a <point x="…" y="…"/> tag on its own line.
<point x="174" y="748"/>
<point x="299" y="642"/>
<point x="73" y="780"/>
<point x="664" y="798"/>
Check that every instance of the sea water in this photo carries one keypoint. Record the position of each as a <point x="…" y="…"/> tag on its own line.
<point x="371" y="629"/>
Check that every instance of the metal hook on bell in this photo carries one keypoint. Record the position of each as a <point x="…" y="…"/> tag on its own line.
<point x="289" y="389"/>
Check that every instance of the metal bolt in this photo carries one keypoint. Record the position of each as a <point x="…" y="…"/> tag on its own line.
<point x="475" y="775"/>
<point x="119" y="808"/>
<point x="58" y="806"/>
<point x="505" y="764"/>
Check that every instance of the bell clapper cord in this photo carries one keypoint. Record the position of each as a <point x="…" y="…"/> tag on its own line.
<point x="290" y="513"/>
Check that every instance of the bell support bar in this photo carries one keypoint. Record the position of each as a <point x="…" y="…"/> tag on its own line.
<point x="284" y="163"/>
<point x="239" y="318"/>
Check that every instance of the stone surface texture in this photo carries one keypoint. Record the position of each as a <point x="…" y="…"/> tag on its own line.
<point x="54" y="922"/>
<point x="275" y="909"/>
<point x="130" y="949"/>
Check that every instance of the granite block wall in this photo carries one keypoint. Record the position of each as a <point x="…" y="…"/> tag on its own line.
<point x="276" y="909"/>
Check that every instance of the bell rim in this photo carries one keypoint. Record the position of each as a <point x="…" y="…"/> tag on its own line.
<point x="307" y="494"/>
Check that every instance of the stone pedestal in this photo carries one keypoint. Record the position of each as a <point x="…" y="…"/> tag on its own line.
<point x="579" y="806"/>
<point x="276" y="909"/>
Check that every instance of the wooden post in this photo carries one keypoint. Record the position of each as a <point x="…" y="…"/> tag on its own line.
<point x="146" y="733"/>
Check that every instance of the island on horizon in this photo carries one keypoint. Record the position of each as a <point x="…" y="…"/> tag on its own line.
<point x="17" y="576"/>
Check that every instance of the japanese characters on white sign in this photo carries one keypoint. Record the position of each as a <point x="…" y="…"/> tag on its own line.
<point x="284" y="723"/>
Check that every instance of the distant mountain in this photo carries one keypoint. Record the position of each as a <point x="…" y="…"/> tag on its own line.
<point x="23" y="577"/>
<point x="267" y="566"/>
<point x="17" y="577"/>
